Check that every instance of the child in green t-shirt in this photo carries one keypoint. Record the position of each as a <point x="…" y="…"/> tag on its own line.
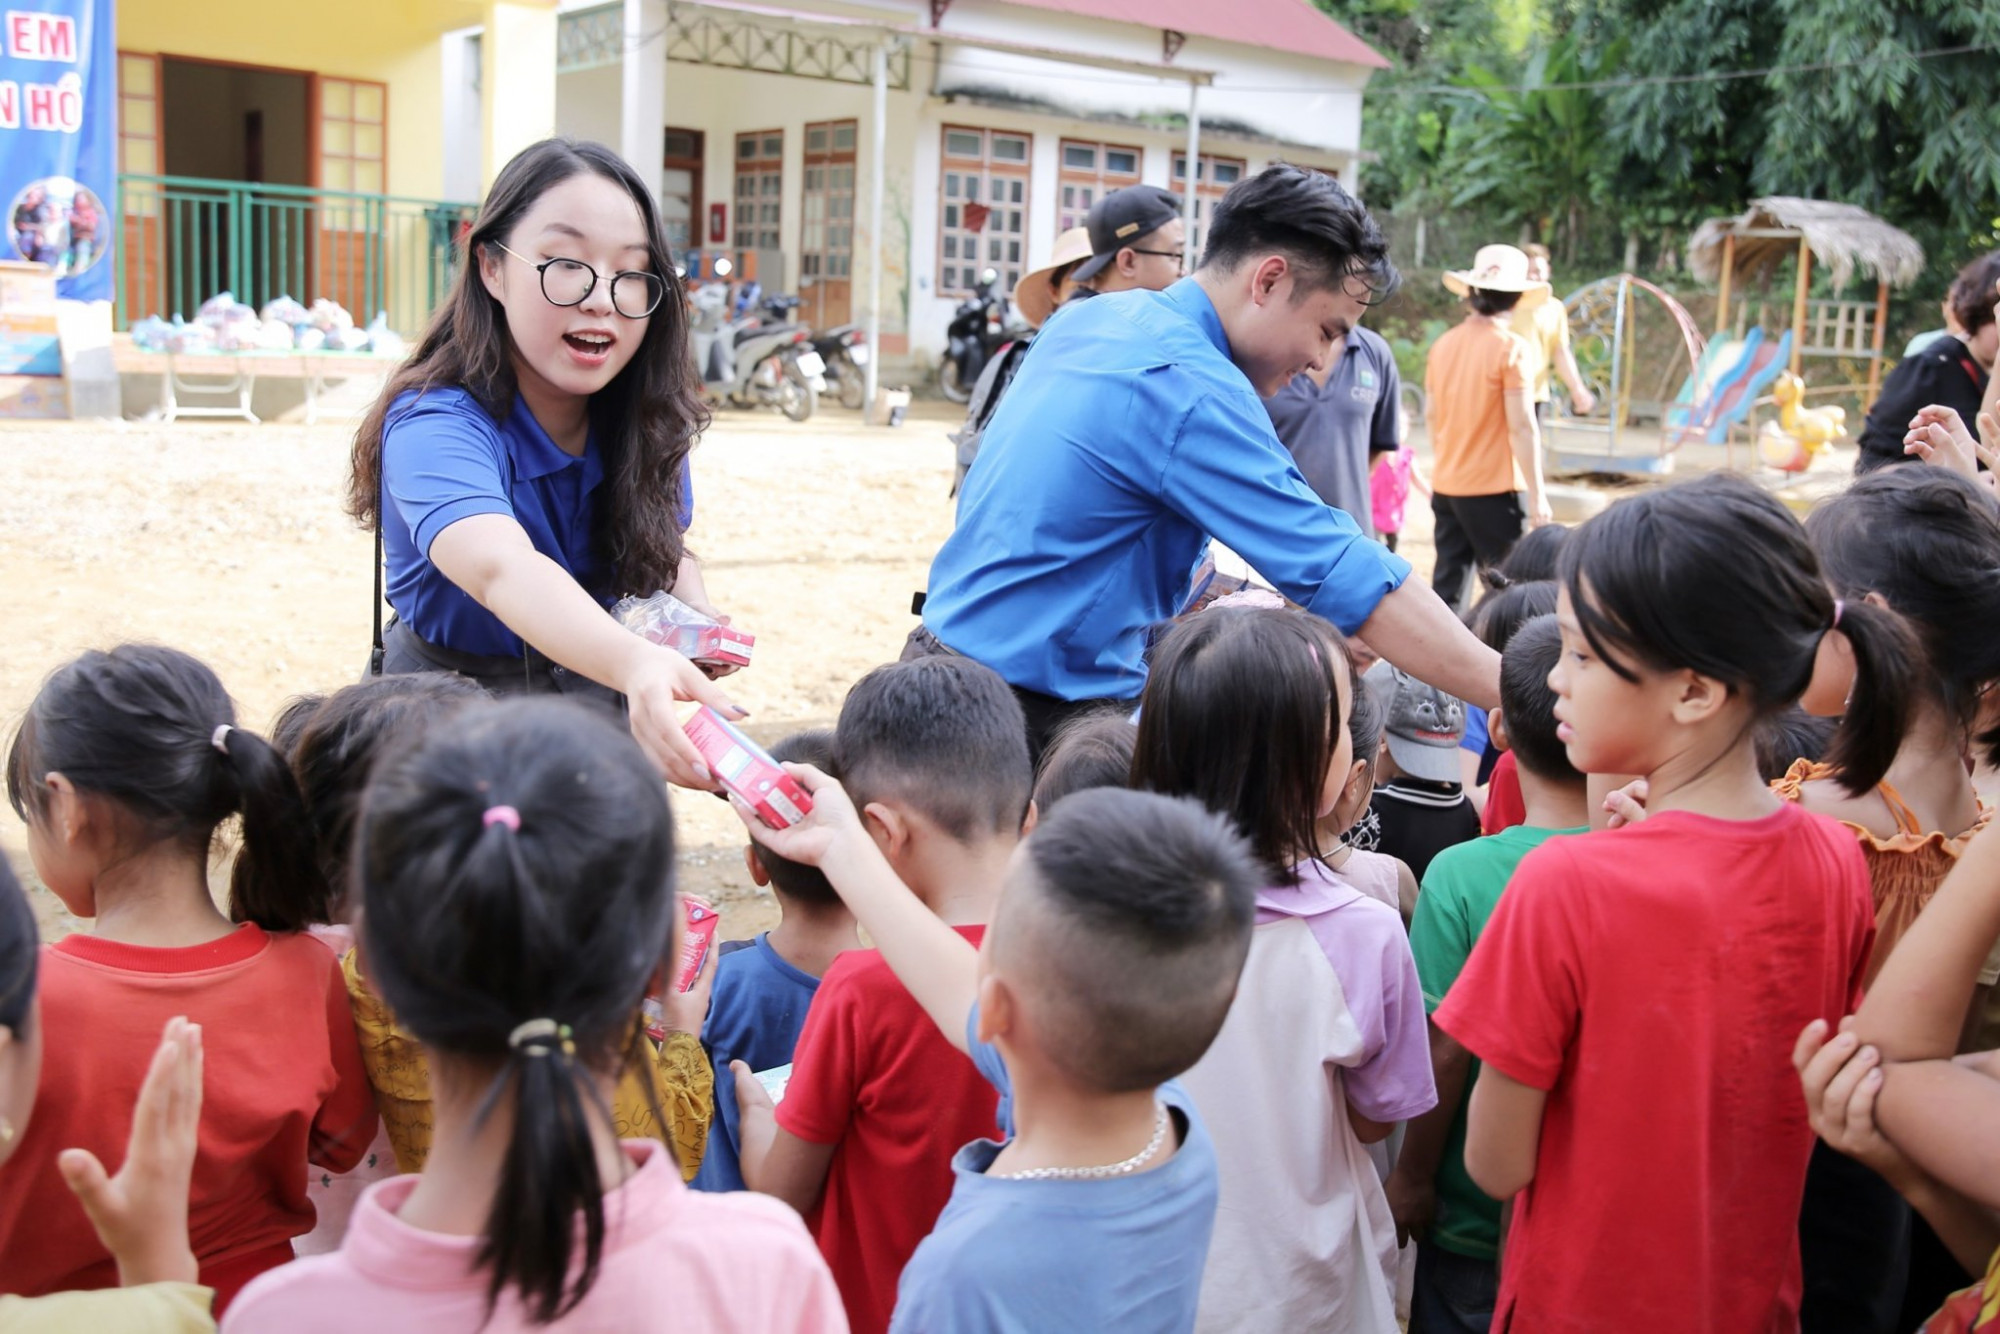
<point x="1430" y="1193"/>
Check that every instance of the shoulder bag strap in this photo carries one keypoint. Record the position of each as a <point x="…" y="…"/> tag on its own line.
<point x="376" y="655"/>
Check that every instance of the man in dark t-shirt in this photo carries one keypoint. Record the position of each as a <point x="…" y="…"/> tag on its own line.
<point x="1951" y="370"/>
<point x="1338" y="423"/>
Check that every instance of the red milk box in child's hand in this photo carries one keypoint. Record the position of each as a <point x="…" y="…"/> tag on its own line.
<point x="746" y="771"/>
<point x="697" y="938"/>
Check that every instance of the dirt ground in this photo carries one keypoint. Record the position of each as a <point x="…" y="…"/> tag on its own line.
<point x="228" y="541"/>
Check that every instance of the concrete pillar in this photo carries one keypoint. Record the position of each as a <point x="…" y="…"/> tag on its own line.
<point x="517" y="81"/>
<point x="642" y="105"/>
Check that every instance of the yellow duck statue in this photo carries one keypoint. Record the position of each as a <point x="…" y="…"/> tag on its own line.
<point x="1789" y="443"/>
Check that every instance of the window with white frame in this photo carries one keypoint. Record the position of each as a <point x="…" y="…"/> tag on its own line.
<point x="760" y="189"/>
<point x="1087" y="172"/>
<point x="983" y="207"/>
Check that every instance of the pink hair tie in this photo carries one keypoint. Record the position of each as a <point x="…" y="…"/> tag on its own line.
<point x="506" y="815"/>
<point x="1838" y="607"/>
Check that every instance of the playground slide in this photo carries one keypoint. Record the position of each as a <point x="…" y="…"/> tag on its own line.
<point x="1717" y="357"/>
<point x="1737" y="391"/>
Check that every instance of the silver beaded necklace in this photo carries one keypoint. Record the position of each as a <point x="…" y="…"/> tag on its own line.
<point x="1126" y="1168"/>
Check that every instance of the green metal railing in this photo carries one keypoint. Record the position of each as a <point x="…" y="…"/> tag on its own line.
<point x="183" y="239"/>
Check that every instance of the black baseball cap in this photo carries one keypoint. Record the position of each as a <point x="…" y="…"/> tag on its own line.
<point x="1119" y="219"/>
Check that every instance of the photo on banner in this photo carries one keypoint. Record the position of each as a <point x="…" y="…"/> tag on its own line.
<point x="58" y="140"/>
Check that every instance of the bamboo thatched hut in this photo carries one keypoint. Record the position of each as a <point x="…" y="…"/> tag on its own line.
<point x="1750" y="247"/>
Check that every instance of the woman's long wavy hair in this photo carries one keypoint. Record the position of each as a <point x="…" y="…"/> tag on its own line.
<point x="645" y="421"/>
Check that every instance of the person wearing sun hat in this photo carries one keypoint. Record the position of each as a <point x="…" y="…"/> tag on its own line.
<point x="1486" y="473"/>
<point x="1039" y="293"/>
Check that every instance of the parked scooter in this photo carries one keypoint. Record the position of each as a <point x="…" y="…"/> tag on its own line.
<point x="751" y="363"/>
<point x="978" y="328"/>
<point x="845" y="351"/>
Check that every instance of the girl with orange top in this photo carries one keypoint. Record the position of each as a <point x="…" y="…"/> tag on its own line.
<point x="125" y="765"/>
<point x="1925" y="542"/>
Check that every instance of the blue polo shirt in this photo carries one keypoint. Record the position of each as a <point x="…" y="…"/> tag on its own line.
<point x="1126" y="440"/>
<point x="445" y="459"/>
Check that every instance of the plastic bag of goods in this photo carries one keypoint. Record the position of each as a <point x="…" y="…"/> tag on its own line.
<point x="667" y="621"/>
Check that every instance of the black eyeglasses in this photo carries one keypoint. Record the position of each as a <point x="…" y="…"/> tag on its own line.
<point x="569" y="282"/>
<point x="1179" y="257"/>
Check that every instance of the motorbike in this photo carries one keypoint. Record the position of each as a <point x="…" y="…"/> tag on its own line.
<point x="845" y="351"/>
<point x="977" y="329"/>
<point x="754" y="361"/>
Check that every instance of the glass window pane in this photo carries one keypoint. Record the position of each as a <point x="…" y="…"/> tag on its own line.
<point x="135" y="75"/>
<point x="367" y="140"/>
<point x="993" y="247"/>
<point x="1124" y="163"/>
<point x="774" y="145"/>
<point x="368" y="177"/>
<point x="815" y="138"/>
<point x="1019" y="186"/>
<point x="336" y="138"/>
<point x="138" y="116"/>
<point x="1228" y="173"/>
<point x="1083" y="157"/>
<point x="1014" y="220"/>
<point x="961" y="143"/>
<point x="336" y="98"/>
<point x="746" y="147"/>
<point x="140" y="157"/>
<point x="843" y="136"/>
<point x="1010" y="148"/>
<point x="972" y="187"/>
<point x="950" y="246"/>
<point x="951" y="215"/>
<point x="1180" y="167"/>
<point x="949" y="279"/>
<point x="337" y="174"/>
<point x="1013" y="252"/>
<point x="368" y="102"/>
<point x="679" y="144"/>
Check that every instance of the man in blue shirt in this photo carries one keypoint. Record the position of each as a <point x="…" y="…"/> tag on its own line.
<point x="1136" y="430"/>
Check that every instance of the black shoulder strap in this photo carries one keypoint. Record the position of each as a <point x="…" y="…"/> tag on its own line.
<point x="375" y="657"/>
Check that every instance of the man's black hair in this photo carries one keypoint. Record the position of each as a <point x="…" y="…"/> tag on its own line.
<point x="1528" y="704"/>
<point x="1130" y="938"/>
<point x="944" y="735"/>
<point x="1308" y="217"/>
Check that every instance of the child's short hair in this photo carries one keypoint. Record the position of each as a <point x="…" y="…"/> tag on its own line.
<point x="1094" y="750"/>
<point x="796" y="880"/>
<point x="20" y="952"/>
<point x="334" y="745"/>
<point x="1500" y="613"/>
<point x="944" y="735"/>
<point x="1528" y="704"/>
<point x="1786" y="738"/>
<point x="1366" y="721"/>
<point x="1127" y="933"/>
<point x="290" y="724"/>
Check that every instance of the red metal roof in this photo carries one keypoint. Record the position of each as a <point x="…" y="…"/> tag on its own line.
<point x="1282" y="25"/>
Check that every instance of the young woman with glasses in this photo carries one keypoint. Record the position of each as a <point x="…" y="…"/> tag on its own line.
<point x="528" y="465"/>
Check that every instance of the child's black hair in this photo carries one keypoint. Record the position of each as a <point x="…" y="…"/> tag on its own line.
<point x="526" y="950"/>
<point x="1786" y="738"/>
<point x="20" y="952"/>
<point x="1928" y="542"/>
<point x="796" y="880"/>
<point x="1499" y="614"/>
<point x="1238" y="711"/>
<point x="338" y="743"/>
<point x="142" y="727"/>
<point x="1529" y="706"/>
<point x="290" y="724"/>
<point x="1093" y="750"/>
<point x="1487" y="301"/>
<point x="1532" y="559"/>
<point x="1715" y="576"/>
<point x="945" y="735"/>
<point x="1367" y="719"/>
<point x="1132" y="935"/>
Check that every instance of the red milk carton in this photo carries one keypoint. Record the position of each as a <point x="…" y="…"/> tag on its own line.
<point x="746" y="771"/>
<point x="697" y="938"/>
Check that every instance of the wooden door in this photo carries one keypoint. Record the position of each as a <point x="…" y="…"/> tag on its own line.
<point x="680" y="191"/>
<point x="351" y="132"/>
<point x="826" y="244"/>
<point x="142" y="283"/>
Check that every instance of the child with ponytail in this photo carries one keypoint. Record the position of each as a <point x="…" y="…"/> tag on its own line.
<point x="514" y="868"/>
<point x="126" y="763"/>
<point x="1637" y="994"/>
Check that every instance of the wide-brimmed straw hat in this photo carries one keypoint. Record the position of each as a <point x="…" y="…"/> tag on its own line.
<point x="1499" y="268"/>
<point x="1036" y="293"/>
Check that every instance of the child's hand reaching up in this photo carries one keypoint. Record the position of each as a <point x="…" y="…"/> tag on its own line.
<point x="141" y="1215"/>
<point x="833" y="825"/>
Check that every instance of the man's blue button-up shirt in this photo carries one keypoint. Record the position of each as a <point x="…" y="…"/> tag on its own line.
<point x="1127" y="439"/>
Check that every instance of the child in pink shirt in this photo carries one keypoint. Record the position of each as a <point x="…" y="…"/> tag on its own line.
<point x="515" y="876"/>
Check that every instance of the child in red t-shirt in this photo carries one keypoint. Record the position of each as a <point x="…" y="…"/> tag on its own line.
<point x="935" y="756"/>
<point x="1637" y="994"/>
<point x="124" y="766"/>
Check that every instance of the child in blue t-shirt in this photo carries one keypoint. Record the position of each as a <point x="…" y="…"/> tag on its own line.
<point x="1108" y="970"/>
<point x="764" y="986"/>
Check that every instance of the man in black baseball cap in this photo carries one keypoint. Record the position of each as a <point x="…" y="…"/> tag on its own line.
<point x="1136" y="240"/>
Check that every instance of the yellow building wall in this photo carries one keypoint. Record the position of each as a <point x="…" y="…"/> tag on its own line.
<point x="394" y="41"/>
